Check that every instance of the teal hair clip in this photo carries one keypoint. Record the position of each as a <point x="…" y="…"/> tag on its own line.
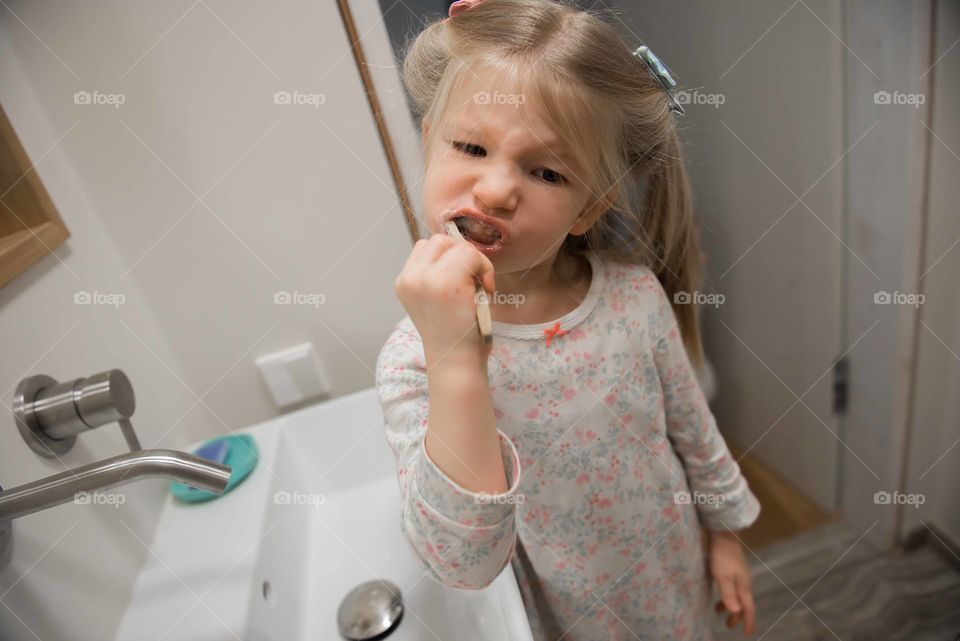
<point x="662" y="74"/>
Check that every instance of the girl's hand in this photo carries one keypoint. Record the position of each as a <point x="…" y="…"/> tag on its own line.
<point x="729" y="569"/>
<point x="436" y="286"/>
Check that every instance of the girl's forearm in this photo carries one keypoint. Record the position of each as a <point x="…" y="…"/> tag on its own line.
<point x="461" y="436"/>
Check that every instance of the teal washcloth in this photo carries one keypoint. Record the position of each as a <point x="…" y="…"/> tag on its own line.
<point x="239" y="451"/>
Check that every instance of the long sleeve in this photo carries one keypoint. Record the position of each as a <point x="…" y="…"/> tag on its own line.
<point x="463" y="539"/>
<point x="723" y="499"/>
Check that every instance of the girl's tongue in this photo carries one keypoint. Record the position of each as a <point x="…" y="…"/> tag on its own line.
<point x="477" y="230"/>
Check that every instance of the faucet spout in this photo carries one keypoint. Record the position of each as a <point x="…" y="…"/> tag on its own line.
<point x="118" y="470"/>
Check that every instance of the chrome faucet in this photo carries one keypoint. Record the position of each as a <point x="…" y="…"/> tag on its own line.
<point x="49" y="416"/>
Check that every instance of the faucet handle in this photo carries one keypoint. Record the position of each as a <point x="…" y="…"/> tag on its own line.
<point x="49" y="414"/>
<point x="6" y="541"/>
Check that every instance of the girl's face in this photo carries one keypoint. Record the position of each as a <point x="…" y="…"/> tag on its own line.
<point x="494" y="158"/>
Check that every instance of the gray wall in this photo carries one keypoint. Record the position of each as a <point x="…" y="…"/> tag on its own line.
<point x="300" y="199"/>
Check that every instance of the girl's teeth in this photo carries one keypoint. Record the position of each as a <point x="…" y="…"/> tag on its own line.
<point x="481" y="232"/>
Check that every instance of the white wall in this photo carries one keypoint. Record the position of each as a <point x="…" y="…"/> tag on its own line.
<point x="798" y="81"/>
<point x="299" y="199"/>
<point x="933" y="467"/>
<point x="886" y="180"/>
<point x="777" y="135"/>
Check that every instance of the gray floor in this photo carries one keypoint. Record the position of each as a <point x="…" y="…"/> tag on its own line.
<point x="823" y="585"/>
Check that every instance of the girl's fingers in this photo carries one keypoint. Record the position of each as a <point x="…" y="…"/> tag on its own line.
<point x="745" y="594"/>
<point x="470" y="257"/>
<point x="434" y="248"/>
<point x="425" y="251"/>
<point x="728" y="593"/>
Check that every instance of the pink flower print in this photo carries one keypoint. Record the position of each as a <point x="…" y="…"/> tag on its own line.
<point x="583" y="478"/>
<point x="533" y="413"/>
<point x="650" y="605"/>
<point x="670" y="513"/>
<point x="504" y="355"/>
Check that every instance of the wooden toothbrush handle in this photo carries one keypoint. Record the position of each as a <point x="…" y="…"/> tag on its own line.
<point x="484" y="322"/>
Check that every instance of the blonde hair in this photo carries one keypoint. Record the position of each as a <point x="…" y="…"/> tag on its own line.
<point x="608" y="108"/>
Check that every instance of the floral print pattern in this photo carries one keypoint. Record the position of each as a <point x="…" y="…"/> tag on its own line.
<point x="614" y="465"/>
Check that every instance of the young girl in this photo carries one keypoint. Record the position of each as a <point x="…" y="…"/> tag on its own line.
<point x="578" y="447"/>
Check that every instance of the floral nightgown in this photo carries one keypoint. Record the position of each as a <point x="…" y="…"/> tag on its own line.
<point x="613" y="461"/>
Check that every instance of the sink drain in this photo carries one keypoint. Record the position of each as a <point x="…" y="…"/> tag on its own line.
<point x="370" y="611"/>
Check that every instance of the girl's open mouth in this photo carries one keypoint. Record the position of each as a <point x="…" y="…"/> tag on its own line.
<point x="477" y="230"/>
<point x="482" y="234"/>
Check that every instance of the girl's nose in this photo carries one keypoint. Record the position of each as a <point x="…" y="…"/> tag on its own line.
<point x="498" y="189"/>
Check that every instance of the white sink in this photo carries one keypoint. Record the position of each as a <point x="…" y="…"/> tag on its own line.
<point x="272" y="560"/>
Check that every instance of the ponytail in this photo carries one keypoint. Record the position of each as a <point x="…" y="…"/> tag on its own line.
<point x="668" y="224"/>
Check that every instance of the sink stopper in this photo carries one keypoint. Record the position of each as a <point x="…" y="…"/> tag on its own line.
<point x="370" y="610"/>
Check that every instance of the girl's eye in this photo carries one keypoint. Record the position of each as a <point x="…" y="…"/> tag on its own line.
<point x="469" y="148"/>
<point x="552" y="176"/>
<point x="549" y="175"/>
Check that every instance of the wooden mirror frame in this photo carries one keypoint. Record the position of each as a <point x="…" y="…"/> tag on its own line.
<point x="30" y="226"/>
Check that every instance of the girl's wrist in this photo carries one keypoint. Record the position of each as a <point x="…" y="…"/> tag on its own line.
<point x="723" y="535"/>
<point x="456" y="369"/>
<point x="455" y="362"/>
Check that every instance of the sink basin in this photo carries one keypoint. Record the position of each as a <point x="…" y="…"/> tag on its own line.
<point x="273" y="559"/>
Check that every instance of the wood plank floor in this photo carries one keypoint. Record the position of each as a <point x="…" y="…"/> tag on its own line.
<point x="784" y="510"/>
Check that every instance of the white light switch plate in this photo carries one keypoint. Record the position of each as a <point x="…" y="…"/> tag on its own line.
<point x="293" y="375"/>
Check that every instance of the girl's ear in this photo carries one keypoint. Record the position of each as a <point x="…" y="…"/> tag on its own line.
<point x="589" y="216"/>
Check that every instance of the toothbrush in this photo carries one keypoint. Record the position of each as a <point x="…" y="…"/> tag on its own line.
<point x="483" y="302"/>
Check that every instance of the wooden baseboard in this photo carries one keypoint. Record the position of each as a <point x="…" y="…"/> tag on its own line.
<point x="784" y="510"/>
